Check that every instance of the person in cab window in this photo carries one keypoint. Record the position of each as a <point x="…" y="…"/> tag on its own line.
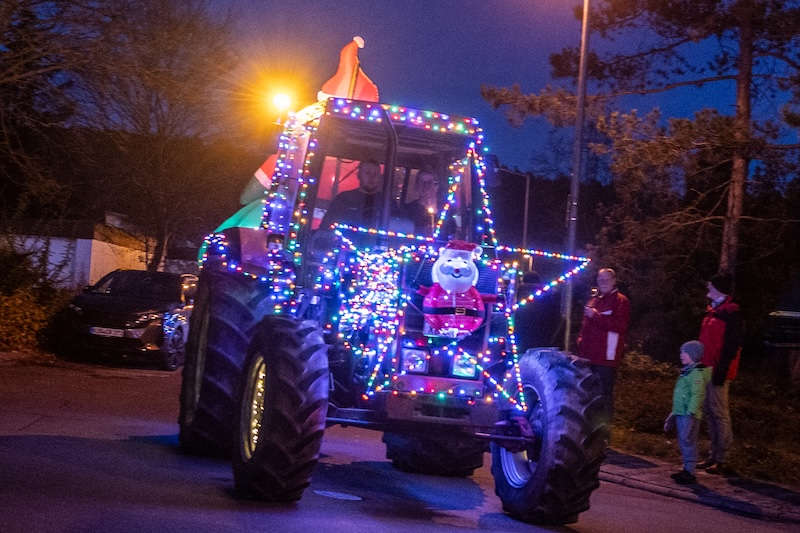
<point x="423" y="210"/>
<point x="361" y="206"/>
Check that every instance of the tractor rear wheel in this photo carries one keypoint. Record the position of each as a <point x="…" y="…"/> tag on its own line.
<point x="438" y="455"/>
<point x="227" y="308"/>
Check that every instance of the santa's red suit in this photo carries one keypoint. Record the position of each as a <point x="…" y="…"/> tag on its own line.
<point x="444" y="310"/>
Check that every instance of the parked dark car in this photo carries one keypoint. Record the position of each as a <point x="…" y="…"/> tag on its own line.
<point x="133" y="314"/>
<point x="782" y="335"/>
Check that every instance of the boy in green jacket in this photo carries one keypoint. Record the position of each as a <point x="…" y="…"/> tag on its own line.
<point x="687" y="407"/>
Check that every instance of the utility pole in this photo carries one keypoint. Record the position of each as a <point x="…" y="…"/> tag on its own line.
<point x="525" y="218"/>
<point x="577" y="166"/>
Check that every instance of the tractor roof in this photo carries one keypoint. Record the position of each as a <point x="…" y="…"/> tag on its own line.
<point x="352" y="126"/>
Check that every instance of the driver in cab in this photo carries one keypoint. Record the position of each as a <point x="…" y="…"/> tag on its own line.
<point x="361" y="206"/>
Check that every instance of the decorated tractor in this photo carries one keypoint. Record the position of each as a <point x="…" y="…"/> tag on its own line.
<point x="362" y="284"/>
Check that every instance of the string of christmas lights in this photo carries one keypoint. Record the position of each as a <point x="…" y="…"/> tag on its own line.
<point x="365" y="280"/>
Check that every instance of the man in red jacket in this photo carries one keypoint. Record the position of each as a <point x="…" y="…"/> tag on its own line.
<point x="721" y="334"/>
<point x="602" y="336"/>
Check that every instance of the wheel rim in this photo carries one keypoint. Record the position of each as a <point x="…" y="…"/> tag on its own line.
<point x="253" y="407"/>
<point x="175" y="346"/>
<point x="176" y="343"/>
<point x="519" y="467"/>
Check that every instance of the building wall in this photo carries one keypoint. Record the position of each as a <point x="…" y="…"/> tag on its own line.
<point x="67" y="259"/>
<point x="106" y="257"/>
<point x="75" y="263"/>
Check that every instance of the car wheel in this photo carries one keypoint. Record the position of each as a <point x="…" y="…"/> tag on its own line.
<point x="174" y="350"/>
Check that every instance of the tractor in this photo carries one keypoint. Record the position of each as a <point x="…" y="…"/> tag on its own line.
<point x="384" y="316"/>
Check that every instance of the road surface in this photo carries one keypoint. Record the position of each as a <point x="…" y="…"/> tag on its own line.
<point x="92" y="448"/>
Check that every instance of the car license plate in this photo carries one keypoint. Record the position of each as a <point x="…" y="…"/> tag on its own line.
<point x="107" y="332"/>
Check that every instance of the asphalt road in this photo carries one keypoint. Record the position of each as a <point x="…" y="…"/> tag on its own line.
<point x="89" y="448"/>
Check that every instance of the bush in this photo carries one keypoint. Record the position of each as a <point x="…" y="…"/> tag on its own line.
<point x="28" y="302"/>
<point x="764" y="415"/>
<point x="22" y="317"/>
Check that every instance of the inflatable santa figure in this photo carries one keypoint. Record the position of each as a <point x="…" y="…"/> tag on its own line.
<point x="453" y="306"/>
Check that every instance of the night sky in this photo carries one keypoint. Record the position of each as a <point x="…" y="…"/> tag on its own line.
<point x="431" y="54"/>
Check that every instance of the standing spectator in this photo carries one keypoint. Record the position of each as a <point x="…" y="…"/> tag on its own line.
<point x="687" y="407"/>
<point x="602" y="336"/>
<point x="721" y="334"/>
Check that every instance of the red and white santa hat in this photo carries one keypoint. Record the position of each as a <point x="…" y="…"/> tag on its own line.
<point x="463" y="246"/>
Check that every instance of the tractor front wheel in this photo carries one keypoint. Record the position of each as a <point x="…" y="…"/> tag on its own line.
<point x="282" y="405"/>
<point x="551" y="482"/>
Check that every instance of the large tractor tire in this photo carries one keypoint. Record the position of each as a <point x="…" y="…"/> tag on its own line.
<point x="227" y="308"/>
<point x="551" y="483"/>
<point x="437" y="455"/>
<point x="281" y="410"/>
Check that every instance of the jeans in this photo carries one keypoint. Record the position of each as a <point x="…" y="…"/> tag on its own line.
<point x="607" y="375"/>
<point x="688" y="428"/>
<point x="719" y="420"/>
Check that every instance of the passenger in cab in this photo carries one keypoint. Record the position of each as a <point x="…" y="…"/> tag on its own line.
<point x="423" y="210"/>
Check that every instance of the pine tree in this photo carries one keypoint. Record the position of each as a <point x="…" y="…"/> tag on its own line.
<point x="751" y="47"/>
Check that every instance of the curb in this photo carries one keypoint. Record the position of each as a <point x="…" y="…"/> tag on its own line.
<point x="710" y="499"/>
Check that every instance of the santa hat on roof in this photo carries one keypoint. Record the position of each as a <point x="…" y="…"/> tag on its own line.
<point x="349" y="80"/>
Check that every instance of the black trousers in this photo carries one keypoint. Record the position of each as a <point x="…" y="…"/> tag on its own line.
<point x="607" y="375"/>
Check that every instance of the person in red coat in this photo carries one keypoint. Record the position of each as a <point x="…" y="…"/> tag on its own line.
<point x="602" y="337"/>
<point x="721" y="333"/>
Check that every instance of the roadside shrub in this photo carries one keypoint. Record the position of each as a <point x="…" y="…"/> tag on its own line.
<point x="764" y="415"/>
<point x="22" y="317"/>
<point x="28" y="302"/>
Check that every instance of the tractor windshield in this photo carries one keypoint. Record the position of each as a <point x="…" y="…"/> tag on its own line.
<point x="351" y="163"/>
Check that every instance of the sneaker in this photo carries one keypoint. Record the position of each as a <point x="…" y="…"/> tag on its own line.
<point x="684" y="478"/>
<point x="720" y="469"/>
<point x="708" y="463"/>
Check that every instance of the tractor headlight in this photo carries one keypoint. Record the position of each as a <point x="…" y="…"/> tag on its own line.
<point x="464" y="365"/>
<point x="415" y="361"/>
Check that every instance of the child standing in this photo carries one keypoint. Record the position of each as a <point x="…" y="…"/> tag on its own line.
<point x="687" y="407"/>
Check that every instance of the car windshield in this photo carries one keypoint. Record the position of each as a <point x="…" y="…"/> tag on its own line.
<point x="140" y="284"/>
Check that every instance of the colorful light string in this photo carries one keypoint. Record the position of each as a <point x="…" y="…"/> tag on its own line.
<point x="366" y="280"/>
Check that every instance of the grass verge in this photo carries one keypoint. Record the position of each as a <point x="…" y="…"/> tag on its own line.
<point x="765" y="420"/>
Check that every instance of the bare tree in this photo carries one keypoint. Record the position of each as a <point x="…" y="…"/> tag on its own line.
<point x="160" y="103"/>
<point x="42" y="45"/>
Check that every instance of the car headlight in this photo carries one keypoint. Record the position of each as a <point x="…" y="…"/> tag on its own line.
<point x="464" y="365"/>
<point x="144" y="318"/>
<point x="415" y="361"/>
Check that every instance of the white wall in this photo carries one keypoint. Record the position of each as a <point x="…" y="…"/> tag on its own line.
<point x="67" y="259"/>
<point x="106" y="257"/>
<point x="75" y="263"/>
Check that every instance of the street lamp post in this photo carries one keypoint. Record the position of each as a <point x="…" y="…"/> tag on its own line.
<point x="577" y="167"/>
<point x="525" y="218"/>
